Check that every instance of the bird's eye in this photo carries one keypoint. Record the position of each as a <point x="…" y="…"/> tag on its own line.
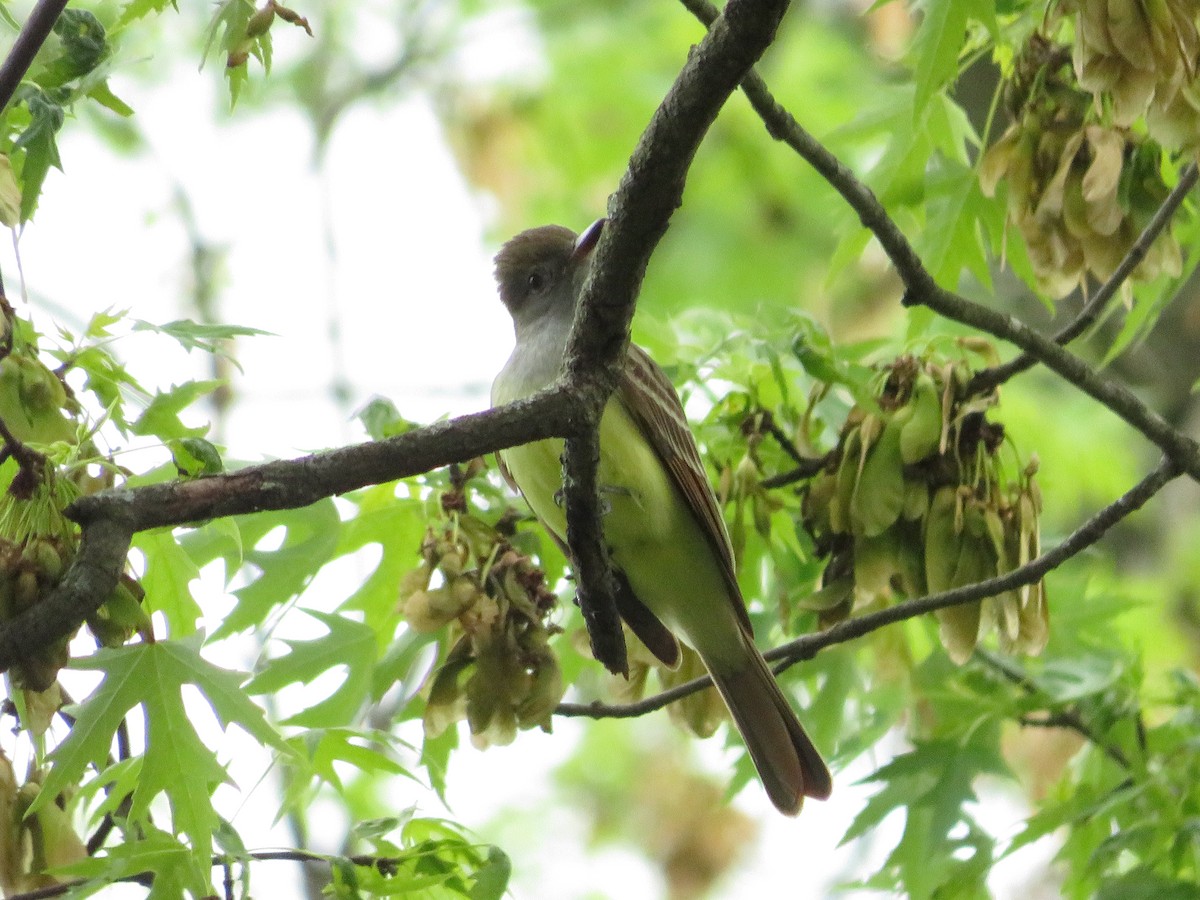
<point x="536" y="281"/>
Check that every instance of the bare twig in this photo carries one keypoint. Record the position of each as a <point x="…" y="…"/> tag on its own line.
<point x="385" y="865"/>
<point x="33" y="34"/>
<point x="807" y="469"/>
<point x="30" y="464"/>
<point x="762" y="420"/>
<point x="807" y="646"/>
<point x="1068" y="719"/>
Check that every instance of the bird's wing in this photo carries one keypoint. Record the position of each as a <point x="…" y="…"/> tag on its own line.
<point x="650" y="398"/>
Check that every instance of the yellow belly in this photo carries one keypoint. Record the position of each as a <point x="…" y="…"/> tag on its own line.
<point x="651" y="533"/>
<point x="636" y="490"/>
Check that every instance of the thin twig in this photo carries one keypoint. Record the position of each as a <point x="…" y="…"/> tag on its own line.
<point x="805" y="647"/>
<point x="1069" y="719"/>
<point x="807" y="469"/>
<point x="987" y="379"/>
<point x="104" y="829"/>
<point x="385" y="865"/>
<point x="922" y="289"/>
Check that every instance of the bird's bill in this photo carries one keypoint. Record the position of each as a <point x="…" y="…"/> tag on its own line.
<point x="586" y="242"/>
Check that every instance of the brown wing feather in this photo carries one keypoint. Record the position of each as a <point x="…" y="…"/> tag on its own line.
<point x="650" y="398"/>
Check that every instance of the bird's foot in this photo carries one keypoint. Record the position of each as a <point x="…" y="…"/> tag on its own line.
<point x="606" y="491"/>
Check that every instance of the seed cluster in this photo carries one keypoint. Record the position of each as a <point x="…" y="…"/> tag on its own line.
<point x="915" y="500"/>
<point x="499" y="672"/>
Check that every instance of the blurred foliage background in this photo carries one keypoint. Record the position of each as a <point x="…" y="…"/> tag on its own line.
<point x="1070" y="774"/>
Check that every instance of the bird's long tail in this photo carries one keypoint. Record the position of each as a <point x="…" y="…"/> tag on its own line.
<point x="788" y="764"/>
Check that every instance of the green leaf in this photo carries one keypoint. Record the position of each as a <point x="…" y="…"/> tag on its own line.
<point x="324" y="749"/>
<point x="195" y="457"/>
<point x="176" y="869"/>
<point x="396" y="526"/>
<point x="103" y="95"/>
<point x="100" y="324"/>
<point x="936" y="48"/>
<point x="382" y="420"/>
<point x="210" y="338"/>
<point x="107" y="379"/>
<point x="952" y="242"/>
<point x="219" y="539"/>
<point x="152" y="676"/>
<point x="137" y="9"/>
<point x="83" y="44"/>
<point x="491" y="879"/>
<point x="348" y="644"/>
<point x="1144" y="883"/>
<point x="38" y="141"/>
<point x="161" y="417"/>
<point x="170" y="572"/>
<point x="310" y="538"/>
<point x="225" y="33"/>
<point x="1068" y="680"/>
<point x="933" y="784"/>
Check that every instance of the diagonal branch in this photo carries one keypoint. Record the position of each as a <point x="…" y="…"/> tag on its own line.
<point x="1069" y="719"/>
<point x="1110" y="393"/>
<point x="807" y="646"/>
<point x="33" y="34"/>
<point x="783" y="126"/>
<point x="989" y="378"/>
<point x="922" y="289"/>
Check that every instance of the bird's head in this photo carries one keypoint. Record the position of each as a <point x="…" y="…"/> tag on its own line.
<point x="542" y="270"/>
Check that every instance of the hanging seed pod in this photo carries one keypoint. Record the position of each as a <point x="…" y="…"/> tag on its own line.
<point x="914" y="501"/>
<point x="492" y="607"/>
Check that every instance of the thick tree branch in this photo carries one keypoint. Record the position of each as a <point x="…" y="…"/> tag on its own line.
<point x="33" y="34"/>
<point x="640" y="210"/>
<point x="86" y="584"/>
<point x="807" y="646"/>
<point x="110" y="518"/>
<point x="594" y="579"/>
<point x="638" y="215"/>
<point x="293" y="483"/>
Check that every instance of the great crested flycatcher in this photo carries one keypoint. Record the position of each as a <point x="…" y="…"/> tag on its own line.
<point x="667" y="539"/>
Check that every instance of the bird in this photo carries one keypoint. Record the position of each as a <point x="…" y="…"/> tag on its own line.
<point x="671" y="553"/>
